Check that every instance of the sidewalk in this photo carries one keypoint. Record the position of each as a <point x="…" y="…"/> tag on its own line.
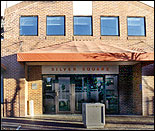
<point x="74" y="122"/>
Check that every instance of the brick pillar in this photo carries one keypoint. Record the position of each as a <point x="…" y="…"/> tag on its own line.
<point x="22" y="97"/>
<point x="35" y="94"/>
<point x="137" y="89"/>
<point x="125" y="90"/>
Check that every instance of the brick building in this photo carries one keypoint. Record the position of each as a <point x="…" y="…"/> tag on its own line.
<point x="53" y="60"/>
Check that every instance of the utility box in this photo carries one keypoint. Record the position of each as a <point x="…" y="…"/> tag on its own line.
<point x="93" y="115"/>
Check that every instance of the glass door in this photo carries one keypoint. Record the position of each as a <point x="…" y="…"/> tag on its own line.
<point x="111" y="91"/>
<point x="64" y="94"/>
<point x="48" y="95"/>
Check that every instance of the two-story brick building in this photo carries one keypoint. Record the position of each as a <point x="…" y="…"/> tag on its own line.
<point x="55" y="60"/>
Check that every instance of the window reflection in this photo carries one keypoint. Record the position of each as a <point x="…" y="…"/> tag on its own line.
<point x="109" y="26"/>
<point x="55" y="25"/>
<point x="82" y="25"/>
<point x="80" y="92"/>
<point x="28" y="25"/>
<point x="48" y="94"/>
<point x="136" y="26"/>
<point x="111" y="92"/>
<point x="64" y="93"/>
<point x="88" y="89"/>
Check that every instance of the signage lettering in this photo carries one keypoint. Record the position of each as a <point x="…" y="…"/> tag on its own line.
<point x="80" y="69"/>
<point x="83" y="69"/>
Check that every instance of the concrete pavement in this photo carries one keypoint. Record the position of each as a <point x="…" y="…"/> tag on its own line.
<point x="74" y="122"/>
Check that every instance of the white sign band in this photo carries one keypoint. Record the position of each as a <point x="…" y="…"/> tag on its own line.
<point x="80" y="69"/>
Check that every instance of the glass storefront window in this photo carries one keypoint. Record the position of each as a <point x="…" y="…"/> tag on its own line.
<point x="88" y="89"/>
<point x="80" y="92"/>
<point x="64" y="93"/>
<point x="95" y="86"/>
<point x="111" y="92"/>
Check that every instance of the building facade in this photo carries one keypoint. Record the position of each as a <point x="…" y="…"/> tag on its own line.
<point x="55" y="60"/>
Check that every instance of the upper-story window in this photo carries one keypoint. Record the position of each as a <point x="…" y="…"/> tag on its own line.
<point x="55" y="25"/>
<point x="82" y="25"/>
<point x="136" y="26"/>
<point x="109" y="26"/>
<point x="29" y="25"/>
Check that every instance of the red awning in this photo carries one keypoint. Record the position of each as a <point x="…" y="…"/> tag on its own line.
<point x="84" y="51"/>
<point x="23" y="57"/>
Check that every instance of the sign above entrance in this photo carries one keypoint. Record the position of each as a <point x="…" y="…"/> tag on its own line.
<point x="80" y="69"/>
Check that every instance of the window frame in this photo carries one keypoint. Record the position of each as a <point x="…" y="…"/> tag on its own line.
<point x="64" y="24"/>
<point x="144" y="26"/>
<point x="37" y="24"/>
<point x="118" y="26"/>
<point x="91" y="24"/>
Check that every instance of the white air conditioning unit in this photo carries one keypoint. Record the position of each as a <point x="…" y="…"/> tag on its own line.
<point x="93" y="115"/>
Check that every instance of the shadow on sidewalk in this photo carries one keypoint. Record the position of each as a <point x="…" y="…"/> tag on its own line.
<point x="44" y="123"/>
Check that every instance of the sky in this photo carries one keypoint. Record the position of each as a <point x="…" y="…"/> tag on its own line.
<point x="10" y="3"/>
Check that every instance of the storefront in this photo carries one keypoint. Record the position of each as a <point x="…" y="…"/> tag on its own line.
<point x="65" y="88"/>
<point x="58" y="83"/>
<point x="57" y="59"/>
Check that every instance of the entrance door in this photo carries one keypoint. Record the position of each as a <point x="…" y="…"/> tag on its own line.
<point x="64" y="94"/>
<point x="56" y="95"/>
<point x="111" y="91"/>
<point x="49" y="95"/>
